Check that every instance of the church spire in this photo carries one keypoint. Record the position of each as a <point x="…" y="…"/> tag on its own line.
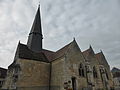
<point x="35" y="36"/>
<point x="36" y="28"/>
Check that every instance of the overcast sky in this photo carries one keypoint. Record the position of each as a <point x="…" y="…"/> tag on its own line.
<point x="95" y="22"/>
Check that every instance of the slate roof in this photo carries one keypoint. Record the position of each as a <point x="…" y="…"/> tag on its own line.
<point x="61" y="51"/>
<point x="25" y="53"/>
<point x="115" y="69"/>
<point x="3" y="72"/>
<point x="44" y="55"/>
<point x="49" y="54"/>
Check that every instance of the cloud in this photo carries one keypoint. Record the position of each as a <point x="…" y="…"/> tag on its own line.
<point x="93" y="22"/>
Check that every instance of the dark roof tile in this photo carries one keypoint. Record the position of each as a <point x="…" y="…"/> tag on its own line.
<point x="25" y="53"/>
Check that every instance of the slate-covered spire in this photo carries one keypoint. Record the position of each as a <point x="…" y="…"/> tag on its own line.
<point x="35" y="36"/>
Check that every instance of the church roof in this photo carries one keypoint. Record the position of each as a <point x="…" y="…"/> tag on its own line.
<point x="114" y="69"/>
<point x="25" y="53"/>
<point x="44" y="55"/>
<point x="61" y="51"/>
<point x="49" y="54"/>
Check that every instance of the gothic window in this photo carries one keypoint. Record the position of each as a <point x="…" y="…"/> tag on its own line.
<point x="94" y="72"/>
<point x="81" y="70"/>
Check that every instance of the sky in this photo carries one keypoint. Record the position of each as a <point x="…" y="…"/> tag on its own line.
<point x="91" y="22"/>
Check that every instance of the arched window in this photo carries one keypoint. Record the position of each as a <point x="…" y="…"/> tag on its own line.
<point x="81" y="70"/>
<point x="94" y="72"/>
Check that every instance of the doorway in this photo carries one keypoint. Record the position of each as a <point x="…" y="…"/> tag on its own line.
<point x="74" y="83"/>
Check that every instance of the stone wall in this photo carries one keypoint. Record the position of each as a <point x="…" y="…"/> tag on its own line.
<point x="33" y="73"/>
<point x="8" y="79"/>
<point x="57" y="74"/>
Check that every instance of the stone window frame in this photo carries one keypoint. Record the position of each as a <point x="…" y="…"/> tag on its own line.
<point x="81" y="70"/>
<point x="104" y="70"/>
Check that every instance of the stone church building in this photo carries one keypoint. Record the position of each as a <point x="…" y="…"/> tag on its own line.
<point x="35" y="68"/>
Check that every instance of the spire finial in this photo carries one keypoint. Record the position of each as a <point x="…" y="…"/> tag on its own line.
<point x="74" y="38"/>
<point x="39" y="5"/>
<point x="90" y="46"/>
<point x="101" y="51"/>
<point x="19" y="41"/>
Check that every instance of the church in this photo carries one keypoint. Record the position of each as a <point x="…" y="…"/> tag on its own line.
<point x="69" y="68"/>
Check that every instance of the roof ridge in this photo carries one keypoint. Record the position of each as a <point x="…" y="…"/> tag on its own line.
<point x="64" y="47"/>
